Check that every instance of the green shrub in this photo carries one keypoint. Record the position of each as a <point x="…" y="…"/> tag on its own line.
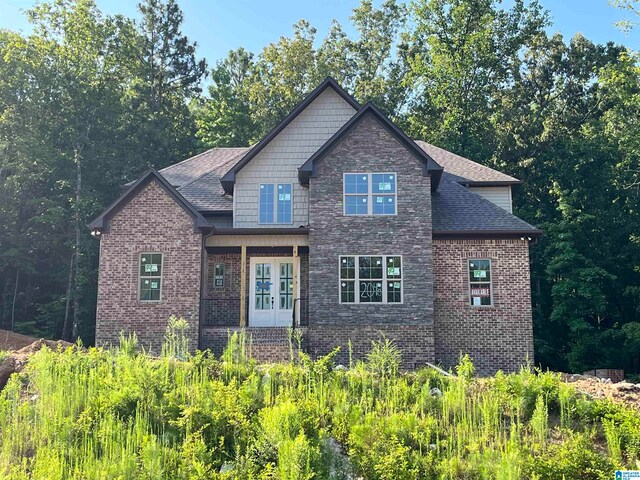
<point x="573" y="459"/>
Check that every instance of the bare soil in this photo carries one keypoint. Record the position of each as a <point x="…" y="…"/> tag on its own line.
<point x="14" y="341"/>
<point x="621" y="392"/>
<point x="17" y="359"/>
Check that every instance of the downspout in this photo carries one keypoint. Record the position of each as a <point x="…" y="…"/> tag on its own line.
<point x="203" y="281"/>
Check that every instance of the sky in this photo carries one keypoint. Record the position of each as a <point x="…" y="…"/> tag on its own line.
<point x="222" y="25"/>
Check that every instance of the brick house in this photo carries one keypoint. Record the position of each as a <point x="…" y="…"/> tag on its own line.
<point x="335" y="223"/>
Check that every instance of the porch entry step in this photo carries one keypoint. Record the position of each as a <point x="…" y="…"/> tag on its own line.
<point x="268" y="335"/>
<point x="266" y="344"/>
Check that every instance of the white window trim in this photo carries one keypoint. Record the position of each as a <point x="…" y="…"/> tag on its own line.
<point x="275" y="204"/>
<point x="356" y="280"/>
<point x="140" y="277"/>
<point x="490" y="282"/>
<point x="370" y="196"/>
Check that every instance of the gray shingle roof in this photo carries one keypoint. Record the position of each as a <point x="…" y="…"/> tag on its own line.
<point x="456" y="208"/>
<point x="206" y="193"/>
<point x="198" y="178"/>
<point x="219" y="160"/>
<point x="463" y="169"/>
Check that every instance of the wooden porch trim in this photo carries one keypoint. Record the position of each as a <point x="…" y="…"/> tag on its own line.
<point x="243" y="286"/>
<point x="295" y="285"/>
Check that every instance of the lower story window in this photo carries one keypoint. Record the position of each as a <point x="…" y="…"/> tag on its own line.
<point x="150" y="277"/>
<point x="371" y="279"/>
<point x="480" y="290"/>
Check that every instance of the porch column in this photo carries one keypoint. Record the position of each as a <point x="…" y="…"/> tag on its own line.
<point x="243" y="286"/>
<point x="295" y="282"/>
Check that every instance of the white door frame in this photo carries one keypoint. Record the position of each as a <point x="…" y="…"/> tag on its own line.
<point x="277" y="317"/>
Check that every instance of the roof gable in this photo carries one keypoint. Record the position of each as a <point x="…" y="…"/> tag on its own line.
<point x="228" y="180"/>
<point x="457" y="211"/>
<point x="101" y="223"/>
<point x="430" y="166"/>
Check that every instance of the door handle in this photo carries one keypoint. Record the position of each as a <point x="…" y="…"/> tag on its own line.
<point x="272" y="303"/>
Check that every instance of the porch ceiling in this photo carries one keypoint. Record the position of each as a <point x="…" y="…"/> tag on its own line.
<point x="253" y="240"/>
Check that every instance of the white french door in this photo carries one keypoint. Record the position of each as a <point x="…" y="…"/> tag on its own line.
<point x="271" y="296"/>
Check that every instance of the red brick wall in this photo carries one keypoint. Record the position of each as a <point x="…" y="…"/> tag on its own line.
<point x="496" y="337"/>
<point x="151" y="222"/>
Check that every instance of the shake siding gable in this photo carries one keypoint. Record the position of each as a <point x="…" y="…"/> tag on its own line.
<point x="501" y="196"/>
<point x="278" y="162"/>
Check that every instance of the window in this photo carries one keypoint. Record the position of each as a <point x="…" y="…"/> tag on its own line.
<point x="370" y="279"/>
<point x="275" y="203"/>
<point x="150" y="278"/>
<point x="370" y="194"/>
<point x="480" y="294"/>
<point x="218" y="275"/>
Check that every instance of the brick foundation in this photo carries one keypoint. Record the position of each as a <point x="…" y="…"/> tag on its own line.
<point x="415" y="342"/>
<point x="496" y="337"/>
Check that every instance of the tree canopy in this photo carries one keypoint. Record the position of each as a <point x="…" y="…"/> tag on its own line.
<point x="88" y="101"/>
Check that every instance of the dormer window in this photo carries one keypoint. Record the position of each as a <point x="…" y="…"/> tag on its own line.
<point x="369" y="194"/>
<point x="276" y="203"/>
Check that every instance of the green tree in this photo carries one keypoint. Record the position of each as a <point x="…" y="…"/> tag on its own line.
<point x="169" y="76"/>
<point x="225" y="118"/>
<point x="461" y="53"/>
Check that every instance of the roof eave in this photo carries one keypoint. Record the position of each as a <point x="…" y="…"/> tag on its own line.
<point x="523" y="234"/>
<point x="490" y="183"/>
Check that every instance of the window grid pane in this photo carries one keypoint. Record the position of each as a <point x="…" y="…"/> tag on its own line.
<point x="266" y="203"/>
<point x="370" y="291"/>
<point x="356" y="183"/>
<point x="383" y="183"/>
<point x="356" y="205"/>
<point x="384" y="205"/>
<point x="284" y="203"/>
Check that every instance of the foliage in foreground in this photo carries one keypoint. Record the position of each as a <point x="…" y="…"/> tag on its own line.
<point x="102" y="414"/>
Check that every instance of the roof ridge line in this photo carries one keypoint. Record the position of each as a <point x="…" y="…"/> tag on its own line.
<point x="195" y="156"/>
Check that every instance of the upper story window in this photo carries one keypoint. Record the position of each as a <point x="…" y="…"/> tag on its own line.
<point x="150" y="277"/>
<point x="276" y="203"/>
<point x="480" y="291"/>
<point x="370" y="194"/>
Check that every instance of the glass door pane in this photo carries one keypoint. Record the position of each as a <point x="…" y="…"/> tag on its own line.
<point x="263" y="286"/>
<point x="286" y="286"/>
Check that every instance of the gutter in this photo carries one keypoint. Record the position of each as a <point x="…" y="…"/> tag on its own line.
<point x="486" y="234"/>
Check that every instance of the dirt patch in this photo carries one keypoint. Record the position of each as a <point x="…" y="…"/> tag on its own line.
<point x="16" y="361"/>
<point x="14" y="341"/>
<point x="622" y="392"/>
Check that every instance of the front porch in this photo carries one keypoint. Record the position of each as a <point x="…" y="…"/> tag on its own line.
<point x="258" y="282"/>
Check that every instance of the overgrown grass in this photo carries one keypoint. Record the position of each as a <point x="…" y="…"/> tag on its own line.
<point x="103" y="414"/>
